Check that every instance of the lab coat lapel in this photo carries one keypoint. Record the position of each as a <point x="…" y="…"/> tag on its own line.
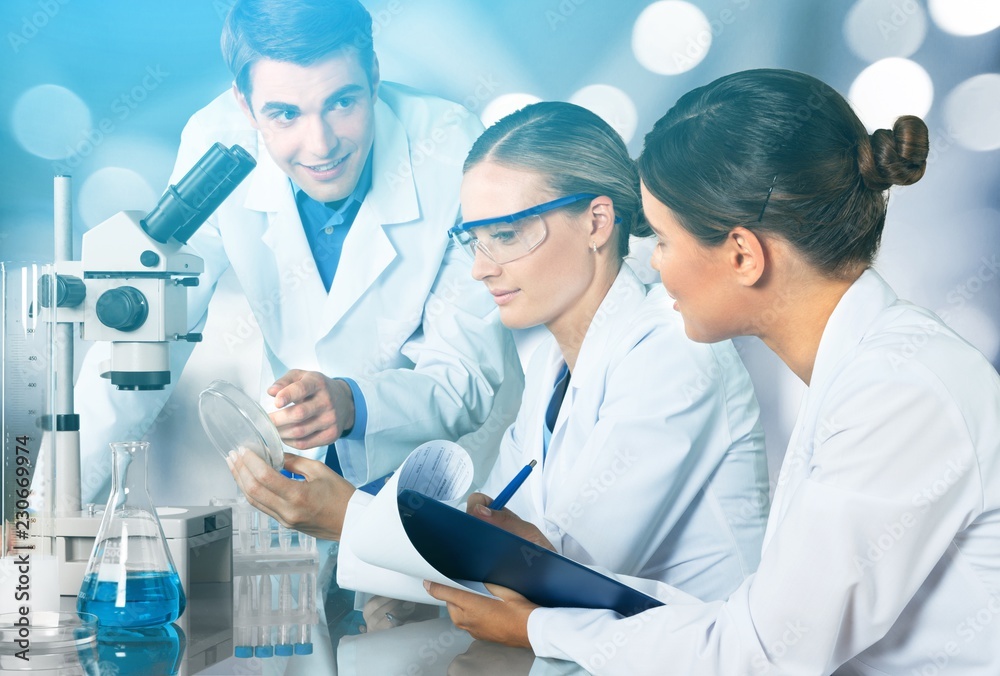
<point x="844" y="331"/>
<point x="625" y="294"/>
<point x="536" y="428"/>
<point x="300" y="289"/>
<point x="392" y="200"/>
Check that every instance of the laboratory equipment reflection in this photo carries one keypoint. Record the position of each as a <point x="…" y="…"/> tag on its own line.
<point x="131" y="580"/>
<point x="138" y="651"/>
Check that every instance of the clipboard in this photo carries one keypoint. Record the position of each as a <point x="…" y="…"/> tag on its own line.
<point x="463" y="547"/>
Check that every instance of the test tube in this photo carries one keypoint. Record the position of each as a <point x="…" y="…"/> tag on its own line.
<point x="243" y="647"/>
<point x="307" y="542"/>
<point x="244" y="525"/>
<point x="284" y="538"/>
<point x="307" y="603"/>
<point x="265" y="533"/>
<point x="255" y="530"/>
<point x="285" y="610"/>
<point x="264" y="647"/>
<point x="254" y="609"/>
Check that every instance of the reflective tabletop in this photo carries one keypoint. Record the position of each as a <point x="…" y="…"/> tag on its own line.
<point x="219" y="634"/>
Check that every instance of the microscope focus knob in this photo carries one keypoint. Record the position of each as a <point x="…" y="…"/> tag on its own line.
<point x="70" y="291"/>
<point x="124" y="308"/>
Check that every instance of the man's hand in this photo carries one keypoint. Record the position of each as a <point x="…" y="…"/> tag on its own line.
<point x="506" y="519"/>
<point x="315" y="506"/>
<point x="501" y="621"/>
<point x="313" y="410"/>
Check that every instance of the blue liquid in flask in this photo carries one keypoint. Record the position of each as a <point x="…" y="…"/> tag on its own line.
<point x="149" y="599"/>
<point x="131" y="580"/>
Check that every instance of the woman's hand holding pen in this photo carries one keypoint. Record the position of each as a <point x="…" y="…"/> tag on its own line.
<point x="478" y="506"/>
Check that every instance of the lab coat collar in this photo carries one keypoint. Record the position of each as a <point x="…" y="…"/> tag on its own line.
<point x="611" y="318"/>
<point x="393" y="195"/>
<point x="392" y="200"/>
<point x="847" y="326"/>
<point x="849" y="322"/>
<point x="270" y="189"/>
<point x="367" y="251"/>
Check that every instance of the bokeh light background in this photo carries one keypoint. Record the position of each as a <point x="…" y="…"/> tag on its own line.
<point x="101" y="90"/>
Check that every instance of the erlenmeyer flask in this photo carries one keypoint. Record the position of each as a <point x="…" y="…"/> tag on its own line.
<point x="131" y="581"/>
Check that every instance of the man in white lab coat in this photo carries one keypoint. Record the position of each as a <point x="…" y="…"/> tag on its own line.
<point x="379" y="337"/>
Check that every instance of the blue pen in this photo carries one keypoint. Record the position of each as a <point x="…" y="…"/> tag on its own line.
<point x="506" y="494"/>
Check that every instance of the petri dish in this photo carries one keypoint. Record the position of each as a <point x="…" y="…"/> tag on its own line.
<point x="62" y="643"/>
<point x="233" y="420"/>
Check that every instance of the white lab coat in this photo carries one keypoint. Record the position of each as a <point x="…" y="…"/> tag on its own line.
<point x="403" y="317"/>
<point x="656" y="464"/>
<point x="882" y="553"/>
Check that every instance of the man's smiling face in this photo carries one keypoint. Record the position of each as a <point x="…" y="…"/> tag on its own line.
<point x="317" y="121"/>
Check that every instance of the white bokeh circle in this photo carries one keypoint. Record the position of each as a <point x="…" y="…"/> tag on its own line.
<point x="889" y="88"/>
<point x="110" y="190"/>
<point x="972" y="112"/>
<point x="504" y="105"/>
<point x="878" y="29"/>
<point x="965" y="17"/>
<point x="671" y="37"/>
<point x="612" y="105"/>
<point x="48" y="121"/>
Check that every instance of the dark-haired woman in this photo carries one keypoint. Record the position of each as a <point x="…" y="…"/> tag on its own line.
<point x="882" y="552"/>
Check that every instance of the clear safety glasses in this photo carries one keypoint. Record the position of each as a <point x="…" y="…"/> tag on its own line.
<point x="506" y="238"/>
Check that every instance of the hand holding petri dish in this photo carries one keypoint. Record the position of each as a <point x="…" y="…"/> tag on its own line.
<point x="234" y="420"/>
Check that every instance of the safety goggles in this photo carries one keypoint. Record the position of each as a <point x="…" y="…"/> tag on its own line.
<point x="506" y="238"/>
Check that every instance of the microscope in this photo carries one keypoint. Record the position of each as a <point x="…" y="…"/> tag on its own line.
<point x="129" y="288"/>
<point x="130" y="285"/>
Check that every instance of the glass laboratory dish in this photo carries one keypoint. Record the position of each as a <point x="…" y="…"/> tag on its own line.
<point x="49" y="642"/>
<point x="131" y="580"/>
<point x="233" y="420"/>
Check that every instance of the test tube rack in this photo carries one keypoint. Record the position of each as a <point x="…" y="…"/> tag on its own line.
<point x="274" y="588"/>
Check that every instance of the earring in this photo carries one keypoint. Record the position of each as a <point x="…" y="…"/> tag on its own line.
<point x="593" y="246"/>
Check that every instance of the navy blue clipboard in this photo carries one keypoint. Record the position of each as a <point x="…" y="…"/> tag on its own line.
<point x="464" y="548"/>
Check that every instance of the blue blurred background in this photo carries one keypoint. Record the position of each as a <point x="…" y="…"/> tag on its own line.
<point x="101" y="90"/>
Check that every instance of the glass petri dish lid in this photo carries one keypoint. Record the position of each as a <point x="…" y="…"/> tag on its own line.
<point x="233" y="420"/>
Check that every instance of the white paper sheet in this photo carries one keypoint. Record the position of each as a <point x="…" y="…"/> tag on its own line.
<point x="441" y="470"/>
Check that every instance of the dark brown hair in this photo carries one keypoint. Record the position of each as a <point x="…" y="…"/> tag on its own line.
<point x="576" y="152"/>
<point x="714" y="157"/>
<point x="302" y="32"/>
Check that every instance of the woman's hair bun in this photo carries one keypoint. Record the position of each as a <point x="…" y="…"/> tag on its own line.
<point x="897" y="157"/>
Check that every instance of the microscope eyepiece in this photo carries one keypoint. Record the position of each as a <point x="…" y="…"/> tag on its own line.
<point x="186" y="205"/>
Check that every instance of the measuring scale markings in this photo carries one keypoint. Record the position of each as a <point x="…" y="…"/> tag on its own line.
<point x="26" y="344"/>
